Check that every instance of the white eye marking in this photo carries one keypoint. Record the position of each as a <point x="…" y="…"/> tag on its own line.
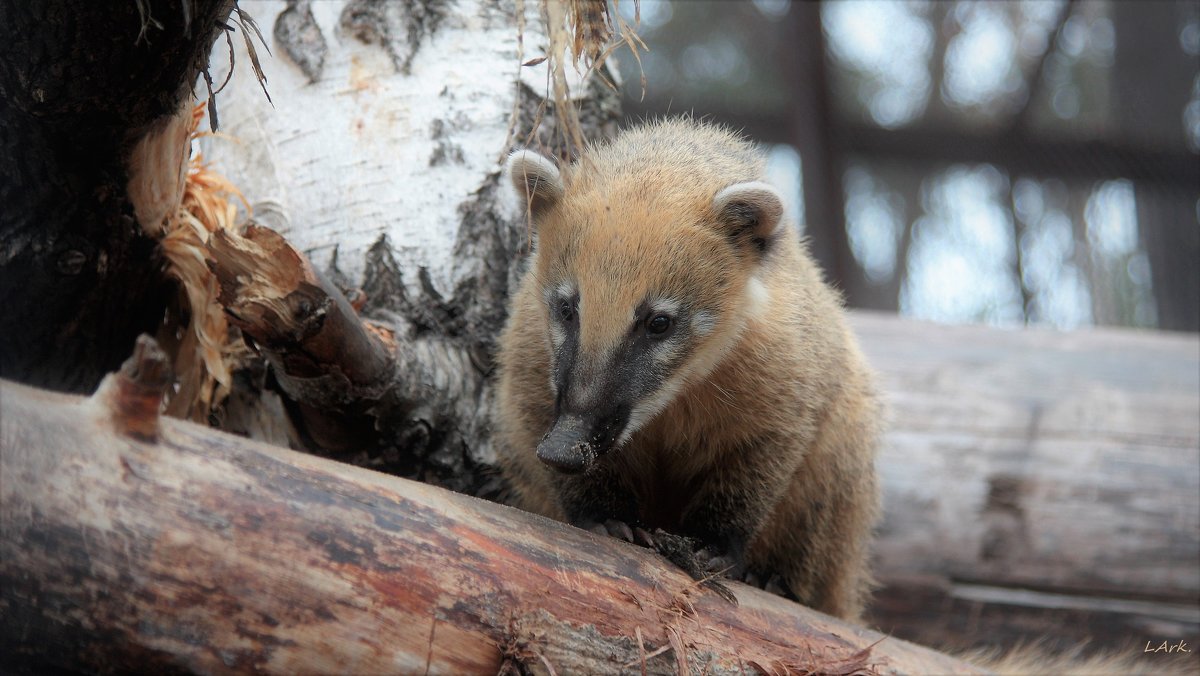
<point x="758" y="297"/>
<point x="703" y="323"/>
<point x="665" y="352"/>
<point x="557" y="335"/>
<point x="562" y="290"/>
<point x="666" y="306"/>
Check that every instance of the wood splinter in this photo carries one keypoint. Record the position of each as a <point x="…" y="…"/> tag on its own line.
<point x="274" y="295"/>
<point x="324" y="357"/>
<point x="133" y="395"/>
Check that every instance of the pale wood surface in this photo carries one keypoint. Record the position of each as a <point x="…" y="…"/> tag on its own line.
<point x="1064" y="463"/>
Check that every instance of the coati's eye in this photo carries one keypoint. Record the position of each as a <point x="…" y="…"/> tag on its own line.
<point x="658" y="324"/>
<point x="566" y="310"/>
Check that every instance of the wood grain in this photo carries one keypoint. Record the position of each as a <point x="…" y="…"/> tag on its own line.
<point x="205" y="552"/>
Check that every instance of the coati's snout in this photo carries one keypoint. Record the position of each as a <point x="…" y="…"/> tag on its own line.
<point x="576" y="441"/>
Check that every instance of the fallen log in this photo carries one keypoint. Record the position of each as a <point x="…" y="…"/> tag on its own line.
<point x="133" y="543"/>
<point x="1037" y="485"/>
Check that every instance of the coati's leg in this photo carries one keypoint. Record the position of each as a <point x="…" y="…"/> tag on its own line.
<point x="600" y="500"/>
<point x="819" y="536"/>
<point x="821" y="550"/>
<point x="738" y="497"/>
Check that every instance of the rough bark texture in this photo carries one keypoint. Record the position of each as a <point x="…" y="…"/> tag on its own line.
<point x="80" y="83"/>
<point x="179" y="548"/>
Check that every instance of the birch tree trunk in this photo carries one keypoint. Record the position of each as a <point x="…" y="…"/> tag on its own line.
<point x="378" y="157"/>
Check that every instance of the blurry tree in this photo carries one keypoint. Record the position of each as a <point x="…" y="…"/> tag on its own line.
<point x="1029" y="161"/>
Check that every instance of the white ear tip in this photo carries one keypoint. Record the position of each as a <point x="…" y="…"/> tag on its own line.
<point x="534" y="176"/>
<point x="761" y="198"/>
<point x="530" y="163"/>
<point x="755" y="192"/>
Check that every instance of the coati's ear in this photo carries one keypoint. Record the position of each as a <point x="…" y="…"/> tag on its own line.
<point x="536" y="179"/>
<point x="751" y="213"/>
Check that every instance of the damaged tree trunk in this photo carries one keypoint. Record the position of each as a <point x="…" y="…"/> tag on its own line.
<point x="130" y="543"/>
<point x="81" y="82"/>
<point x="379" y="163"/>
<point x="377" y="155"/>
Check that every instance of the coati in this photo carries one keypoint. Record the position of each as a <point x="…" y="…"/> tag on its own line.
<point x="673" y="360"/>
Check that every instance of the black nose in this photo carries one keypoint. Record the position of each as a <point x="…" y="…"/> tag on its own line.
<point x="566" y="446"/>
<point x="577" y="440"/>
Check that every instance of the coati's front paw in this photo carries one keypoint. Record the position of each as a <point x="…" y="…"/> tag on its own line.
<point x="682" y="551"/>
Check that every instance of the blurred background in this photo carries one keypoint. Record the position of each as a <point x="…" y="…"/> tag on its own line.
<point x="1025" y="162"/>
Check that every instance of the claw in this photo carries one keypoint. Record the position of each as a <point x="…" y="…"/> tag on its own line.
<point x="776" y="586"/>
<point x="721" y="590"/>
<point x="619" y="530"/>
<point x="643" y="538"/>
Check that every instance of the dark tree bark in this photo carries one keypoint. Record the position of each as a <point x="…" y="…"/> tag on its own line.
<point x="824" y="201"/>
<point x="80" y="83"/>
<point x="1170" y="234"/>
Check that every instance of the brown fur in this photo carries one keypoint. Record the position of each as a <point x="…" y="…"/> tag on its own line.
<point x="777" y="401"/>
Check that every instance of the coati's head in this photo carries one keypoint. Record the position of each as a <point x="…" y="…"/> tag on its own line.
<point x="647" y="277"/>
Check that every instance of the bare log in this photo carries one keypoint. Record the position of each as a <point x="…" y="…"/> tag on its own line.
<point x="206" y="552"/>
<point x="1037" y="484"/>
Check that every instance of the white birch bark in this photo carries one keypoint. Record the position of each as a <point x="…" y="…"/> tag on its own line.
<point x="368" y="150"/>
<point x="383" y="165"/>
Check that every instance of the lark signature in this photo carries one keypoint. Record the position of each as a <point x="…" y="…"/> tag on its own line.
<point x="1167" y="647"/>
